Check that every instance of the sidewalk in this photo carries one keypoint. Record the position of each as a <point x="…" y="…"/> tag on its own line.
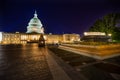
<point x="57" y="72"/>
<point x="60" y="70"/>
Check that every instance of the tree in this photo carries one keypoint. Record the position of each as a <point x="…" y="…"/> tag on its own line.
<point x="108" y="25"/>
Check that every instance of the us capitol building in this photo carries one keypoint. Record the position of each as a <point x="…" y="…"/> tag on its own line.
<point x="34" y="30"/>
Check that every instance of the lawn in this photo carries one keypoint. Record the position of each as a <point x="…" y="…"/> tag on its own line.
<point x="101" y="50"/>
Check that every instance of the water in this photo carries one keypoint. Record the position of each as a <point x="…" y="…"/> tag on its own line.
<point x="23" y="62"/>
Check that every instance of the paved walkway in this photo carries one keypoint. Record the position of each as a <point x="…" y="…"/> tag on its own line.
<point x="57" y="72"/>
<point x="26" y="62"/>
<point x="63" y="70"/>
<point x="29" y="62"/>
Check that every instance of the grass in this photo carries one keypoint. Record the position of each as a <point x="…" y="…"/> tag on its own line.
<point x="101" y="50"/>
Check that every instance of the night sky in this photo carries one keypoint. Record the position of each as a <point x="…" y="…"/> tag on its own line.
<point x="57" y="16"/>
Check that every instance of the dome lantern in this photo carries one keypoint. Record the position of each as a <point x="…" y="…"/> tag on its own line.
<point x="35" y="15"/>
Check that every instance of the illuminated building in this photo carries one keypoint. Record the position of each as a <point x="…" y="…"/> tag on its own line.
<point x="34" y="30"/>
<point x="94" y="33"/>
<point x="35" y="25"/>
<point x="23" y="38"/>
<point x="10" y="38"/>
<point x="96" y="37"/>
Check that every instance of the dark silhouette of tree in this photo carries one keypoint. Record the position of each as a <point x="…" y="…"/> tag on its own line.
<point x="108" y="25"/>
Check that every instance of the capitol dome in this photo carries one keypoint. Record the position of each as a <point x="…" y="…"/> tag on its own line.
<point x="35" y="21"/>
<point x="35" y="25"/>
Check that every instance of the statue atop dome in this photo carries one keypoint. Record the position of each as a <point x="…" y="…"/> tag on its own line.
<point x="35" y="25"/>
<point x="35" y="15"/>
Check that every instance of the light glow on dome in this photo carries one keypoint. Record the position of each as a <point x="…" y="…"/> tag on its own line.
<point x="35" y="25"/>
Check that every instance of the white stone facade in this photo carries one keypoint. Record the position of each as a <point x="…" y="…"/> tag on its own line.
<point x="23" y="38"/>
<point x="35" y="25"/>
